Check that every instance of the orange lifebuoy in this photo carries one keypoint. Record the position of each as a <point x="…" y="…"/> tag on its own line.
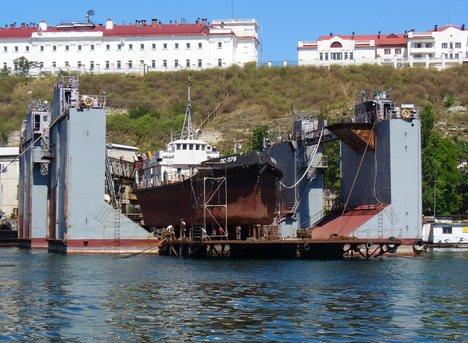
<point x="88" y="101"/>
<point x="406" y="114"/>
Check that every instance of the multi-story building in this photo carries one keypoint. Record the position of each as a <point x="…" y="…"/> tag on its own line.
<point x="438" y="48"/>
<point x="134" y="48"/>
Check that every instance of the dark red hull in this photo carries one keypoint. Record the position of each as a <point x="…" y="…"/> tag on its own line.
<point x="251" y="195"/>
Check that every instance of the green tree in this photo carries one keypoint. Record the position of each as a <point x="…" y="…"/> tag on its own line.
<point x="259" y="134"/>
<point x="23" y="66"/>
<point x="427" y="124"/>
<point x="332" y="179"/>
<point x="441" y="177"/>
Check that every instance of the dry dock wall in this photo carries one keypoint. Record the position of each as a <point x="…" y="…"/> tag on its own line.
<point x="390" y="175"/>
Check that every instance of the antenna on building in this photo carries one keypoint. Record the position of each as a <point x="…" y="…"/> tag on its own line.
<point x="90" y="13"/>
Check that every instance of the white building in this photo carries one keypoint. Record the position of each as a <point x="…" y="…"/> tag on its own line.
<point x="438" y="48"/>
<point x="134" y="48"/>
<point x="9" y="176"/>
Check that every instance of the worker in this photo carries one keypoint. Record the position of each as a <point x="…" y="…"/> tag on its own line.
<point x="238" y="232"/>
<point x="182" y="228"/>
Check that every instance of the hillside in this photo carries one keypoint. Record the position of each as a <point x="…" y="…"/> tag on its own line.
<point x="144" y="110"/>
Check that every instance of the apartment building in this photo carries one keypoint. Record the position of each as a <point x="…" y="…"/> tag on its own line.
<point x="130" y="48"/>
<point x="439" y="48"/>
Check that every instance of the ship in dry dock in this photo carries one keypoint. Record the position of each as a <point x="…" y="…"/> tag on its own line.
<point x="188" y="183"/>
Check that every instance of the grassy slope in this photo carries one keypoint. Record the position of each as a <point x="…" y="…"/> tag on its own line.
<point x="258" y="96"/>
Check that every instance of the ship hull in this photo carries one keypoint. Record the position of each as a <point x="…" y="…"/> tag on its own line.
<point x="242" y="190"/>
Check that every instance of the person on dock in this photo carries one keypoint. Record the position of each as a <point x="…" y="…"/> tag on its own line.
<point x="182" y="228"/>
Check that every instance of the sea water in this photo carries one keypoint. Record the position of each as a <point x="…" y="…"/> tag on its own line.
<point x="52" y="297"/>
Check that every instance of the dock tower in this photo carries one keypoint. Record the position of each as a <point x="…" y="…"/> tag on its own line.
<point x="34" y="161"/>
<point x="302" y="162"/>
<point x="79" y="218"/>
<point x="63" y="179"/>
<point x="381" y="173"/>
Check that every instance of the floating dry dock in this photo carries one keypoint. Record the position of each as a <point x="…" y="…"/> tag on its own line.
<point x="293" y="248"/>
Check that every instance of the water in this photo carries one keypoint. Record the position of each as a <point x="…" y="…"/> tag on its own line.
<point x="48" y="297"/>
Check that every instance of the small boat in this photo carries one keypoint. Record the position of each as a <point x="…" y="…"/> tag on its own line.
<point x="188" y="183"/>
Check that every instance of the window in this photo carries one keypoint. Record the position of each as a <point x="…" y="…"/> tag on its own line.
<point x="27" y="49"/>
<point x="107" y="64"/>
<point x="79" y="64"/>
<point x="67" y="47"/>
<point x="42" y="47"/>
<point x="176" y="46"/>
<point x="336" y="55"/>
<point x="387" y="51"/>
<point x="5" y="49"/>
<point x="220" y="62"/>
<point x="165" y="46"/>
<point x="54" y="48"/>
<point x="153" y="46"/>
<point x="54" y="64"/>
<point x="187" y="63"/>
<point x="200" y="45"/>
<point x="428" y="45"/>
<point x="417" y="45"/>
<point x="398" y="51"/>
<point x="79" y="47"/>
<point x="451" y="45"/>
<point x="220" y="45"/>
<point x="457" y="45"/>
<point x="130" y="47"/>
<point x="326" y="56"/>
<point x="16" y="49"/>
<point x="91" y="47"/>
<point x="119" y="65"/>
<point x="200" y="64"/>
<point x="142" y="47"/>
<point x="165" y="63"/>
<point x="142" y="63"/>
<point x="67" y="64"/>
<point x="447" y="230"/>
<point x="350" y="55"/>
<point x="130" y="64"/>
<point x="345" y="55"/>
<point x="184" y="146"/>
<point x="188" y="45"/>
<point x="176" y="63"/>
<point x="444" y="45"/>
<point x="153" y="64"/>
<point x="5" y="66"/>
<point x="107" y="46"/>
<point x="119" y="46"/>
<point x="321" y="56"/>
<point x="91" y="65"/>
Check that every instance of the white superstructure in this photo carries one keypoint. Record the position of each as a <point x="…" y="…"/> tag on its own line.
<point x="440" y="47"/>
<point x="135" y="48"/>
<point x="9" y="177"/>
<point x="179" y="160"/>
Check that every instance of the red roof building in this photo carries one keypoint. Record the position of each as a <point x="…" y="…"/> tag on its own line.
<point x="131" y="48"/>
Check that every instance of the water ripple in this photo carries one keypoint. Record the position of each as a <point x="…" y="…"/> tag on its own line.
<point x="147" y="298"/>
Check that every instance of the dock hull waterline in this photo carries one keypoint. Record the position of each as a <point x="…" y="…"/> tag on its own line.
<point x="242" y="189"/>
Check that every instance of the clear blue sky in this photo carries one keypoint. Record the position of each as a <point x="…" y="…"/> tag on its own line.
<point x="282" y="23"/>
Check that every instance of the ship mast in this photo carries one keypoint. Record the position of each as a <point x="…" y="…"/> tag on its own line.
<point x="187" y="130"/>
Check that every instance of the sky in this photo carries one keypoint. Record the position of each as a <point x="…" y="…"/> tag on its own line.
<point x="282" y="23"/>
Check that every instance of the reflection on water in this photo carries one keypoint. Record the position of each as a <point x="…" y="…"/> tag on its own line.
<point x="149" y="298"/>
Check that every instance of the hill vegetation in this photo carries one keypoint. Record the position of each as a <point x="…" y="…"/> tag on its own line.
<point x="145" y="110"/>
